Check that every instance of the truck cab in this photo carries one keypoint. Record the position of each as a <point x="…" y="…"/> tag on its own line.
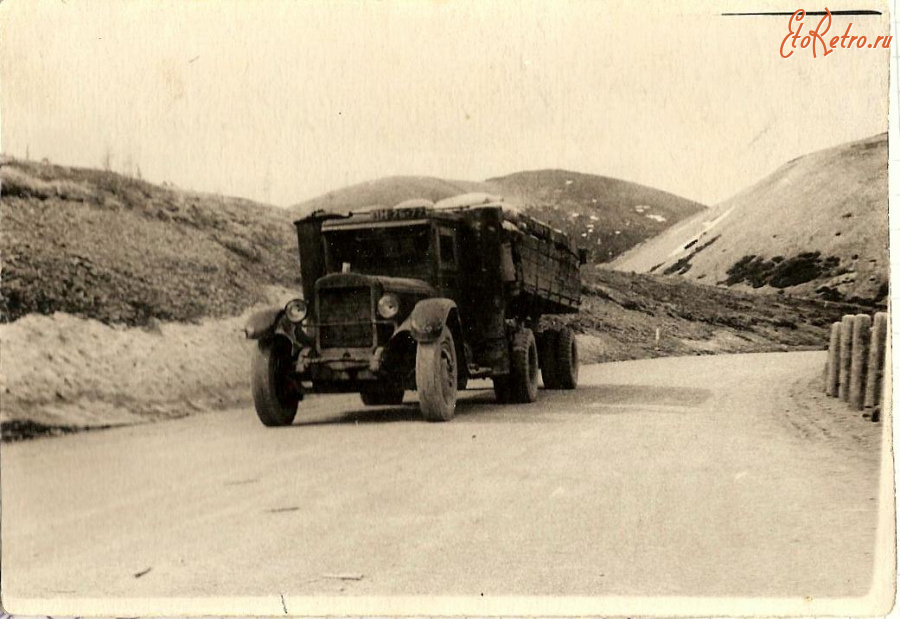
<point x="416" y="297"/>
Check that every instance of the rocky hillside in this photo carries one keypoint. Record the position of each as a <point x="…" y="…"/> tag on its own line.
<point x="636" y="316"/>
<point x="605" y="215"/>
<point x="816" y="226"/>
<point x="104" y="246"/>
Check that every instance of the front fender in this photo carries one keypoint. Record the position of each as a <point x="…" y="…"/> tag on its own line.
<point x="262" y="324"/>
<point x="428" y="319"/>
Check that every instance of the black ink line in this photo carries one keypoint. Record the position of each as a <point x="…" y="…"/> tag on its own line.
<point x="780" y="14"/>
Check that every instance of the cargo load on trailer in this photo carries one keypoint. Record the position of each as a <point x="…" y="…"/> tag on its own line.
<point x="420" y="297"/>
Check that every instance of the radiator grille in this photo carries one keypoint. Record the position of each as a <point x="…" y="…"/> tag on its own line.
<point x="345" y="317"/>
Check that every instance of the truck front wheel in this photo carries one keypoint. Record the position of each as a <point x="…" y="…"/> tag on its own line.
<point x="274" y="394"/>
<point x="523" y="374"/>
<point x="436" y="375"/>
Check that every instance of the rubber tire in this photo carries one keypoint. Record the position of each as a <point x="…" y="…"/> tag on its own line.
<point x="273" y="406"/>
<point x="566" y="360"/>
<point x="382" y="396"/>
<point x="501" y="389"/>
<point x="436" y="376"/>
<point x="547" y="358"/>
<point x="523" y="373"/>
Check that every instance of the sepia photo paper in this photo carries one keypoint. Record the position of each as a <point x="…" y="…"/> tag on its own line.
<point x="446" y="307"/>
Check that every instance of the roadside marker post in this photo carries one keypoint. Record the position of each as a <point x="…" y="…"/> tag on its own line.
<point x="858" y="357"/>
<point x="832" y="366"/>
<point x="877" y="349"/>
<point x="845" y="357"/>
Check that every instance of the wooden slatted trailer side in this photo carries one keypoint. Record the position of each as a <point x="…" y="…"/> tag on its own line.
<point x="547" y="267"/>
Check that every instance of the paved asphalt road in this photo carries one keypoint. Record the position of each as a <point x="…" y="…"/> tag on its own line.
<point x="668" y="476"/>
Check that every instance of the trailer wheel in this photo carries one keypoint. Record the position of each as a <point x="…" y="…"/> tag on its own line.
<point x="547" y="358"/>
<point x="382" y="396"/>
<point x="436" y="373"/>
<point x="274" y="399"/>
<point x="523" y="367"/>
<point x="566" y="360"/>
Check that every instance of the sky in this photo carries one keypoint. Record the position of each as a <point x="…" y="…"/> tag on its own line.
<point x="280" y="102"/>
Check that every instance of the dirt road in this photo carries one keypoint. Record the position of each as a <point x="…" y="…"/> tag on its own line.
<point x="683" y="476"/>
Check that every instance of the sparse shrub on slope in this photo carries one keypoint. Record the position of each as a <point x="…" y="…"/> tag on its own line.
<point x="100" y="245"/>
<point x="779" y="272"/>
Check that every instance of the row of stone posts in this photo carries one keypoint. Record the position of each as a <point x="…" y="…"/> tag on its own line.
<point x="856" y="357"/>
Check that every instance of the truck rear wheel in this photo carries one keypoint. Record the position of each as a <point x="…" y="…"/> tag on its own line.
<point x="436" y="374"/>
<point x="274" y="397"/>
<point x="547" y="358"/>
<point x="382" y="396"/>
<point x="523" y="374"/>
<point x="566" y="360"/>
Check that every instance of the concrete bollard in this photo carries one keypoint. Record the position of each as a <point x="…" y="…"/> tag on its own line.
<point x="877" y="346"/>
<point x="859" y="355"/>
<point x="832" y="366"/>
<point x="844" y="358"/>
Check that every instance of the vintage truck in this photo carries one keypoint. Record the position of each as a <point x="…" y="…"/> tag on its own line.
<point x="420" y="297"/>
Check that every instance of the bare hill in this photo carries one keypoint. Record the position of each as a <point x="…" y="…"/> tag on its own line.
<point x="817" y="225"/>
<point x="100" y="245"/>
<point x="605" y="215"/>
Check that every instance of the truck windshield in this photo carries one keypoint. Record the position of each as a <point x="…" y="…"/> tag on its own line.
<point x="398" y="251"/>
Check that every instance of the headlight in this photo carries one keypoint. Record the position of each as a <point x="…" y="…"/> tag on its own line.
<point x="388" y="305"/>
<point x="296" y="310"/>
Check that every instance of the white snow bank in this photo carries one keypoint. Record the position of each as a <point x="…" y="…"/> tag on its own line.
<point x="71" y="371"/>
